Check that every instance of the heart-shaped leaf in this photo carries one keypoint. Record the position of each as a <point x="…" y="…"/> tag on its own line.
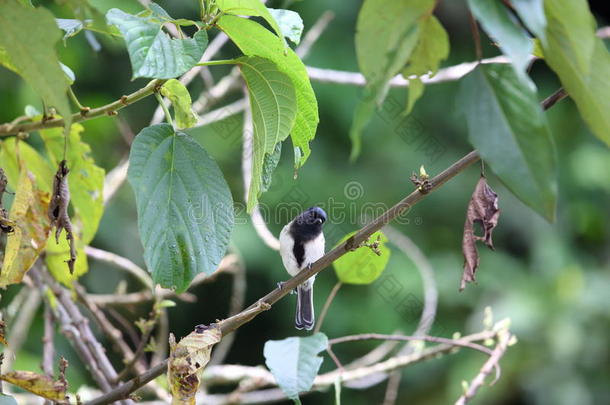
<point x="185" y="209"/>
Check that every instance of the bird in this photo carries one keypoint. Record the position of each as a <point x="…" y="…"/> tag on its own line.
<point x="301" y="244"/>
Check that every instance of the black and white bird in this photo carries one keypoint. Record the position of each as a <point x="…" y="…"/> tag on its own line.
<point x="301" y="244"/>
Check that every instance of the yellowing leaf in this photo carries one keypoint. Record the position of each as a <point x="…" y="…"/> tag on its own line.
<point x="3" y="333"/>
<point x="29" y="212"/>
<point x="187" y="360"/>
<point x="38" y="384"/>
<point x="57" y="254"/>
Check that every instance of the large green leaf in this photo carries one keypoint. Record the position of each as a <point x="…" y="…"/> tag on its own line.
<point x="294" y="362"/>
<point x="508" y="127"/>
<point x="185" y="209"/>
<point x="290" y="23"/>
<point x="581" y="61"/>
<point x="179" y="95"/>
<point x="85" y="180"/>
<point x="152" y="52"/>
<point x="273" y="104"/>
<point x="29" y="37"/>
<point x="254" y="8"/>
<point x="254" y="40"/>
<point x="386" y="34"/>
<point x="432" y="48"/>
<point x="497" y="22"/>
<point x="532" y="14"/>
<point x="363" y="266"/>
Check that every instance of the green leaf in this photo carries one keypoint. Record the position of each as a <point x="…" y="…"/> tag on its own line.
<point x="432" y="48"/>
<point x="254" y="40"/>
<point x="273" y="104"/>
<point x="56" y="255"/>
<point x="85" y="180"/>
<point x="269" y="164"/>
<point x="531" y="13"/>
<point x="497" y="22"/>
<point x="290" y="23"/>
<point x="294" y="362"/>
<point x="253" y="8"/>
<point x="185" y="209"/>
<point x="181" y="100"/>
<point x="581" y="61"/>
<point x="386" y="34"/>
<point x="5" y="61"/>
<point x="363" y="266"/>
<point x="508" y="127"/>
<point x="152" y="52"/>
<point x="29" y="37"/>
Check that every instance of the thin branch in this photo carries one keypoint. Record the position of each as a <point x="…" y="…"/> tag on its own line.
<point x="121" y="263"/>
<point x="20" y="326"/>
<point x="314" y="33"/>
<point x="329" y="300"/>
<point x="490" y="364"/>
<point x="48" y="347"/>
<point x="554" y="98"/>
<point x="108" y="109"/>
<point x="133" y="361"/>
<point x="391" y="391"/>
<point x="448" y="74"/>
<point x="231" y="324"/>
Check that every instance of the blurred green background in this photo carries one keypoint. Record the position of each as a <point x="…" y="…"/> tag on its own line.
<point x="551" y="280"/>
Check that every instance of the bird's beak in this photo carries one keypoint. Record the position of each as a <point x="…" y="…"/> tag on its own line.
<point x="319" y="221"/>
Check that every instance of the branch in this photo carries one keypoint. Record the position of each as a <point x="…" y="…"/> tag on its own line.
<point x="108" y="109"/>
<point x="503" y="342"/>
<point x="121" y="263"/>
<point x="231" y="324"/>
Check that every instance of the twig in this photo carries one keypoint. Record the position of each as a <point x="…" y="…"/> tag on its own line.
<point x="48" y="348"/>
<point x="448" y="74"/>
<point x="391" y="391"/>
<point x="230" y="324"/>
<point x="476" y="36"/>
<point x="20" y="326"/>
<point x="329" y="300"/>
<point x="314" y="33"/>
<point x="139" y="352"/>
<point x="554" y="98"/>
<point x="121" y="263"/>
<point x="490" y="364"/>
<point x="108" y="109"/>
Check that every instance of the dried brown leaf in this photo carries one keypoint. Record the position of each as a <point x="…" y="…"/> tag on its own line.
<point x="3" y="334"/>
<point x="58" y="210"/>
<point x="187" y="360"/>
<point x="482" y="209"/>
<point x="38" y="384"/>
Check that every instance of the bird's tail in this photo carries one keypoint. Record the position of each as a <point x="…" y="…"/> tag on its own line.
<point x="305" y="317"/>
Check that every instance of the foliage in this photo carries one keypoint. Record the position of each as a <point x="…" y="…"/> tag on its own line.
<point x="187" y="186"/>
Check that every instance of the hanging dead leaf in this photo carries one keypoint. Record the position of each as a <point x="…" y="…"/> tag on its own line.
<point x="482" y="210"/>
<point x="187" y="360"/>
<point x="58" y="210"/>
<point x="38" y="384"/>
<point x="30" y="233"/>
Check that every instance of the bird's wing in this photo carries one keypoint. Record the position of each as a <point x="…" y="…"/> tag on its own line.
<point x="286" y="245"/>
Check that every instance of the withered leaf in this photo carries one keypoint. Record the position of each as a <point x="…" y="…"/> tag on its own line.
<point x="38" y="384"/>
<point x="30" y="233"/>
<point x="482" y="209"/>
<point x="58" y="210"/>
<point x="6" y="226"/>
<point x="186" y="363"/>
